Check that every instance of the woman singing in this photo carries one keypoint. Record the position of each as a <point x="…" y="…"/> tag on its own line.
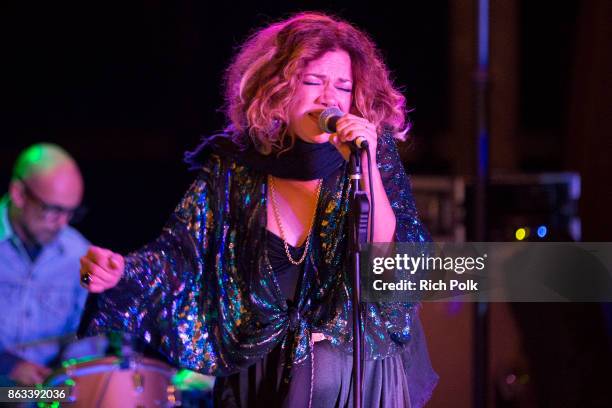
<point x="249" y="280"/>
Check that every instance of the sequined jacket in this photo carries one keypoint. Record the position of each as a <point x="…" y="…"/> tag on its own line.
<point x="204" y="294"/>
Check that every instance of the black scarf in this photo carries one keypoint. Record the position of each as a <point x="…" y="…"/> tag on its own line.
<point x="304" y="161"/>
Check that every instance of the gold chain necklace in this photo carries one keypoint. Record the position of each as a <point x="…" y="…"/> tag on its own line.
<point x="280" y="226"/>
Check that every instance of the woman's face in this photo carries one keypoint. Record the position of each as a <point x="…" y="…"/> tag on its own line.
<point x="325" y="82"/>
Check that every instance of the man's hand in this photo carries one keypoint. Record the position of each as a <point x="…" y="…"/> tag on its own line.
<point x="27" y="373"/>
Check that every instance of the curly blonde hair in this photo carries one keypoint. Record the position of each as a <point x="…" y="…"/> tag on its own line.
<point x="265" y="73"/>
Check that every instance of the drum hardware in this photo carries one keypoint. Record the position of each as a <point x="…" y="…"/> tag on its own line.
<point x="137" y="380"/>
<point x="172" y="400"/>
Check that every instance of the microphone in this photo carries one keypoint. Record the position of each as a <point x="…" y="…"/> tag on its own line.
<point x="327" y="123"/>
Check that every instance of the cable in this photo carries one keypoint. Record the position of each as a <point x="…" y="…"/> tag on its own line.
<point x="371" y="238"/>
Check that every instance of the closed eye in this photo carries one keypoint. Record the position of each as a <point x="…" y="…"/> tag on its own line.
<point x="345" y="89"/>
<point x="311" y="83"/>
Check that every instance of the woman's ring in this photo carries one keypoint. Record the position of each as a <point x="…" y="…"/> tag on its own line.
<point x="86" y="278"/>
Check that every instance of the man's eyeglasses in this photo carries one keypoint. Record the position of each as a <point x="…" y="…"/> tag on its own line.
<point x="51" y="211"/>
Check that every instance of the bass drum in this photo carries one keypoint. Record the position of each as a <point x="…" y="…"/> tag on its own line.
<point x="112" y="382"/>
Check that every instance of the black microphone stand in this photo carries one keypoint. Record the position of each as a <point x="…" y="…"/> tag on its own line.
<point x="358" y="233"/>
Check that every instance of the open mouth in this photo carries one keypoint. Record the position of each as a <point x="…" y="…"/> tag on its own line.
<point x="314" y="117"/>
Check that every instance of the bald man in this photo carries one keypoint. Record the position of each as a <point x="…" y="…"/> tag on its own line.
<point x="40" y="297"/>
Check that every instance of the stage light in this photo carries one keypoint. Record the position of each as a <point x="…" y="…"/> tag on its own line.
<point x="520" y="234"/>
<point x="542" y="231"/>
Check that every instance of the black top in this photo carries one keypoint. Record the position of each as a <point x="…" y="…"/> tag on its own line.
<point x="286" y="273"/>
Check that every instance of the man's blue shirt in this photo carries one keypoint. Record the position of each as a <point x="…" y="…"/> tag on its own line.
<point x="40" y="301"/>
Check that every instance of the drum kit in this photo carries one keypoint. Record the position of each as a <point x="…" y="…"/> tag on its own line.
<point x="125" y="376"/>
